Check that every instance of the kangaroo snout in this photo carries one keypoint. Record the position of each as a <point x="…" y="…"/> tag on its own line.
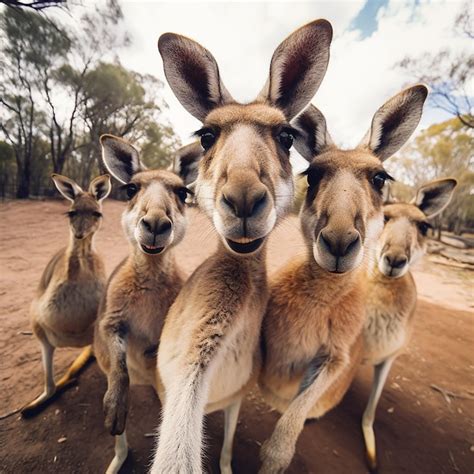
<point x="244" y="206"/>
<point x="156" y="226"/>
<point x="338" y="250"/>
<point x="339" y="244"/>
<point x="396" y="261"/>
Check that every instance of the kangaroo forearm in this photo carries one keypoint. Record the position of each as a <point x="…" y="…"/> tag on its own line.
<point x="180" y="433"/>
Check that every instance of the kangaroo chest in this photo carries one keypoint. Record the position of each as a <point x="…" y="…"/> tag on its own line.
<point x="387" y="327"/>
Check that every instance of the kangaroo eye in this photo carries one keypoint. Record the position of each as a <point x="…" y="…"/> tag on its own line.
<point x="72" y="213"/>
<point x="208" y="139"/>
<point x="314" y="176"/>
<point x="286" y="139"/>
<point x="378" y="180"/>
<point x="424" y="227"/>
<point x="182" y="193"/>
<point x="131" y="189"/>
<point x="385" y="219"/>
<point x="97" y="214"/>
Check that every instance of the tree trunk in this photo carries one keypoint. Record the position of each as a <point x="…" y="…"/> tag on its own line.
<point x="23" y="183"/>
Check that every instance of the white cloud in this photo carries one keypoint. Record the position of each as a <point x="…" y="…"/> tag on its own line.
<point x="243" y="35"/>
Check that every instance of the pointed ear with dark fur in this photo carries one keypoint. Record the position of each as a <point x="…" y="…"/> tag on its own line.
<point x="395" y="121"/>
<point x="298" y="67"/>
<point x="193" y="75"/>
<point x="433" y="197"/>
<point x="186" y="162"/>
<point x="313" y="136"/>
<point x="66" y="186"/>
<point x="100" y="187"/>
<point x="120" y="158"/>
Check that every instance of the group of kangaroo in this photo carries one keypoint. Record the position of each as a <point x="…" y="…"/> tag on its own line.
<point x="204" y="342"/>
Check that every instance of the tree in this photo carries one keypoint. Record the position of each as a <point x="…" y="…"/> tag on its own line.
<point x="442" y="150"/>
<point x="448" y="73"/>
<point x="7" y="167"/>
<point x="62" y="87"/>
<point x="37" y="5"/>
<point x="30" y="42"/>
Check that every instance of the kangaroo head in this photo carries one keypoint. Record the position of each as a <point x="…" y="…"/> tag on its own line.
<point x="154" y="219"/>
<point x="342" y="212"/>
<point x="85" y="213"/>
<point x="244" y="181"/>
<point x="403" y="239"/>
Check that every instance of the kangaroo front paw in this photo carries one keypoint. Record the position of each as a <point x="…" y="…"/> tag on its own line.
<point x="276" y="457"/>
<point x="115" y="409"/>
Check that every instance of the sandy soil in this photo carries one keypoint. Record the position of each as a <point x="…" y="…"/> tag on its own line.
<point x="418" y="431"/>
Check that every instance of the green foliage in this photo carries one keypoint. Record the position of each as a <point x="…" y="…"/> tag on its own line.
<point x="442" y="150"/>
<point x="61" y="87"/>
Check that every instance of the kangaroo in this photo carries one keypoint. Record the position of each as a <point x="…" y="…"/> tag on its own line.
<point x="64" y="309"/>
<point x="391" y="298"/>
<point x="208" y="355"/>
<point x="142" y="288"/>
<point x="316" y="308"/>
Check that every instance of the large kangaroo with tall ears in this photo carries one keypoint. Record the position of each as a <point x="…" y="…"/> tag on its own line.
<point x="391" y="299"/>
<point x="64" y="309"/>
<point x="316" y="309"/>
<point x="208" y="354"/>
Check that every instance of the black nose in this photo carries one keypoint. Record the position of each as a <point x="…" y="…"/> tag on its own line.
<point x="245" y="205"/>
<point x="396" y="261"/>
<point x="157" y="226"/>
<point x="340" y="244"/>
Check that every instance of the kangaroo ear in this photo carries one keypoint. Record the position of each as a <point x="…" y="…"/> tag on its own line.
<point x="186" y="162"/>
<point x="433" y="197"/>
<point x="313" y="136"/>
<point x="66" y="186"/>
<point x="298" y="67"/>
<point x="192" y="74"/>
<point x="100" y="187"/>
<point x="120" y="158"/>
<point x="395" y="121"/>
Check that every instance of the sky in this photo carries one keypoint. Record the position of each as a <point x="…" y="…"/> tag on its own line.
<point x="370" y="37"/>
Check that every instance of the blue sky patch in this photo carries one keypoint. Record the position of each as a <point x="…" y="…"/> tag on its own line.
<point x="366" y="20"/>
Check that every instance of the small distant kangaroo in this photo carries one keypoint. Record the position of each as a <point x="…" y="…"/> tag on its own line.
<point x="142" y="287"/>
<point x="64" y="309"/>
<point x="391" y="299"/>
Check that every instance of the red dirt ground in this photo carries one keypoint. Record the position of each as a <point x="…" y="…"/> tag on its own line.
<point x="417" y="430"/>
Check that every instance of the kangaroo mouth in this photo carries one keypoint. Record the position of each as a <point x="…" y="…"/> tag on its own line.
<point x="245" y="247"/>
<point x="152" y="250"/>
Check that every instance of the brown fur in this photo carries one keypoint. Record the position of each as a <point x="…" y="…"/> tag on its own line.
<point x="64" y="309"/>
<point x="142" y="288"/>
<point x="391" y="298"/>
<point x="312" y="330"/>
<point x="208" y="354"/>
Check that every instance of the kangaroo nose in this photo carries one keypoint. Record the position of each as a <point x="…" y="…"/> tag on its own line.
<point x="244" y="205"/>
<point x="156" y="226"/>
<point x="396" y="261"/>
<point x="339" y="244"/>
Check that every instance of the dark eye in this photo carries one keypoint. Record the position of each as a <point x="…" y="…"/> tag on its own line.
<point x="423" y="227"/>
<point x="131" y="189"/>
<point x="97" y="214"/>
<point x="72" y="213"/>
<point x="182" y="193"/>
<point x="286" y="139"/>
<point x="379" y="180"/>
<point x="208" y="139"/>
<point x="314" y="176"/>
<point x="385" y="219"/>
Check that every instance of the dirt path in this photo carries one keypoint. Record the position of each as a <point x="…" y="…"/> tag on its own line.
<point x="418" y="431"/>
